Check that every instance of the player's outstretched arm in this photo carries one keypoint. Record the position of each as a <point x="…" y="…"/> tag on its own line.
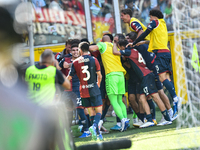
<point x="93" y="48"/>
<point x="140" y="32"/>
<point x="141" y="37"/>
<point x="115" y="51"/>
<point x="142" y="42"/>
<point x="99" y="78"/>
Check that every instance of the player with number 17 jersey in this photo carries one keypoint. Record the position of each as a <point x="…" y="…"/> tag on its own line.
<point x="86" y="67"/>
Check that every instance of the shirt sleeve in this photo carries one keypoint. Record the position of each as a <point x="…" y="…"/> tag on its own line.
<point x="98" y="68"/>
<point x="125" y="52"/>
<point x="72" y="71"/>
<point x="101" y="46"/>
<point x="136" y="26"/>
<point x="153" y="24"/>
<point x="95" y="53"/>
<point x="59" y="77"/>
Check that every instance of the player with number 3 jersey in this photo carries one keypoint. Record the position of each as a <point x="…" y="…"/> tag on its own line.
<point x="87" y="67"/>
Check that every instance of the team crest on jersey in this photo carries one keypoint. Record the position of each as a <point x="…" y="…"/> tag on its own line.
<point x="58" y="56"/>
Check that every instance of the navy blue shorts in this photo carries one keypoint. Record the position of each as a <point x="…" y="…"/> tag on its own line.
<point x="133" y="88"/>
<point x="162" y="62"/>
<point x="93" y="101"/>
<point x="152" y="67"/>
<point x="78" y="100"/>
<point x="148" y="85"/>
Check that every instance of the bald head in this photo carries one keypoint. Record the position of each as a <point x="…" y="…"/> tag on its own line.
<point x="47" y="57"/>
<point x="106" y="38"/>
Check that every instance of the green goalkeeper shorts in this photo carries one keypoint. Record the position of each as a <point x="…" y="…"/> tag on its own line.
<point x="115" y="83"/>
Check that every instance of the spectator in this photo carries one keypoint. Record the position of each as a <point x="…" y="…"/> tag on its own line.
<point x="168" y="15"/>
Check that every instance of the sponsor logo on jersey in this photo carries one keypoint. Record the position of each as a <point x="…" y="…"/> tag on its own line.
<point x="88" y="86"/>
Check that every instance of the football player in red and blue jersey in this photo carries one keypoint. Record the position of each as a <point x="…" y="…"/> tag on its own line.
<point x="157" y="30"/>
<point x="87" y="67"/>
<point x="75" y="83"/>
<point x="147" y="78"/>
<point x="150" y="58"/>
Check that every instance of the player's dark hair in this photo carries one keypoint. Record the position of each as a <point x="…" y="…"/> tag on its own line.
<point x="127" y="11"/>
<point x="110" y="35"/>
<point x="84" y="46"/>
<point x="127" y="34"/>
<point x="157" y="13"/>
<point x="85" y="40"/>
<point x="120" y="36"/>
<point x="122" y="43"/>
<point x="68" y="42"/>
<point x="133" y="36"/>
<point x="74" y="45"/>
<point x="75" y="41"/>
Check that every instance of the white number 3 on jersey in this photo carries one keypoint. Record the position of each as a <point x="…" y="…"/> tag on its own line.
<point x="86" y="71"/>
<point x="140" y="59"/>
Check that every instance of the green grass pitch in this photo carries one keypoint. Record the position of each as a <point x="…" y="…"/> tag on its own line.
<point x="152" y="138"/>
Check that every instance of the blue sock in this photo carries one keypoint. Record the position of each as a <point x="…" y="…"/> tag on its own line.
<point x="88" y="120"/>
<point x="83" y="117"/>
<point x="92" y="119"/>
<point x="79" y="122"/>
<point x="97" y="117"/>
<point x="105" y="111"/>
<point x="166" y="115"/>
<point x="117" y="119"/>
<point x="140" y="116"/>
<point x="170" y="88"/>
<point x="149" y="118"/>
<point x="174" y="98"/>
<point x="152" y="108"/>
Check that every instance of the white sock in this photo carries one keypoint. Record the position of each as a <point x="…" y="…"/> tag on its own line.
<point x="119" y="124"/>
<point x="175" y="99"/>
<point x="170" y="112"/>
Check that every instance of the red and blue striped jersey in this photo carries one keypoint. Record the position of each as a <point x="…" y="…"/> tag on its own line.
<point x="137" y="62"/>
<point x="86" y="67"/>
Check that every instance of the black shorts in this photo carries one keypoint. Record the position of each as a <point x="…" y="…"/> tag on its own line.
<point x="78" y="100"/>
<point x="162" y="62"/>
<point x="153" y="68"/>
<point x="148" y="85"/>
<point x="134" y="88"/>
<point x="93" y="101"/>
